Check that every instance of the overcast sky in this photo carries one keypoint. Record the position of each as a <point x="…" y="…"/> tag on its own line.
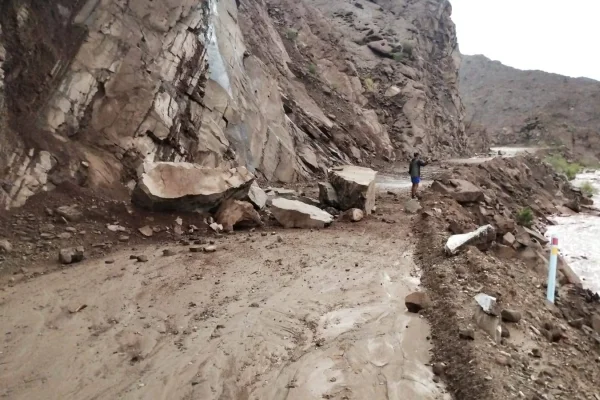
<point x="561" y="36"/>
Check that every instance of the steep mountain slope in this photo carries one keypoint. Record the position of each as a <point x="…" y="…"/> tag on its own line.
<point x="531" y="106"/>
<point x="91" y="89"/>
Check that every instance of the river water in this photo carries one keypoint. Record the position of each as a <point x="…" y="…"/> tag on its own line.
<point x="579" y="237"/>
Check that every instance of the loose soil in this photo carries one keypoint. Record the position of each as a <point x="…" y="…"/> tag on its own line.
<point x="271" y="314"/>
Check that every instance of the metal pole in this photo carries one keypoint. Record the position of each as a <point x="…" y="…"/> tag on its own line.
<point x="552" y="269"/>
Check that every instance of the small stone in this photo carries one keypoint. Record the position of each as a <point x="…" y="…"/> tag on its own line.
<point x="5" y="246"/>
<point x="109" y="261"/>
<point x="116" y="228"/>
<point x="537" y="353"/>
<point x="468" y="334"/>
<point x="438" y="369"/>
<point x="142" y="258"/>
<point x="123" y="238"/>
<point x="510" y="315"/>
<point x="255" y="305"/>
<point x="553" y="335"/>
<point x="417" y="301"/>
<point x="210" y="249"/>
<point x="71" y="229"/>
<point x="64" y="235"/>
<point x="504" y="361"/>
<point x="71" y="255"/>
<point x="168" y="253"/>
<point x="195" y="249"/>
<point x="146" y="231"/>
<point x="505" y="332"/>
<point x="131" y="257"/>
<point x="353" y="215"/>
<point x="576" y="323"/>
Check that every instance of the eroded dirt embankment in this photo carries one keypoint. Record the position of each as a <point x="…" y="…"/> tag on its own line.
<point x="550" y="352"/>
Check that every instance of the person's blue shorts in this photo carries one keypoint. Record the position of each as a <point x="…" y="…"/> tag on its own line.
<point x="415" y="179"/>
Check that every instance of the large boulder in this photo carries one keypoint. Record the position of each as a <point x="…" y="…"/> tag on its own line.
<point x="355" y="187"/>
<point x="170" y="186"/>
<point x="296" y="214"/>
<point x="328" y="195"/>
<point x="460" y="190"/>
<point x="234" y="212"/>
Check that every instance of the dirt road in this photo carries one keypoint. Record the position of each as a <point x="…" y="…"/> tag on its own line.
<point x="291" y="314"/>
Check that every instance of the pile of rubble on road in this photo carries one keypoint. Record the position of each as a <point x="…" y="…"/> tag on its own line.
<point x="235" y="198"/>
<point x="485" y="273"/>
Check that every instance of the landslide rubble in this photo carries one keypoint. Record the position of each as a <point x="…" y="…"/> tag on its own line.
<point x="492" y="327"/>
<point x="91" y="90"/>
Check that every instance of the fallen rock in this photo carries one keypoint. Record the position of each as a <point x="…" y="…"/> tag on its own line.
<point x="71" y="255"/>
<point x="168" y="253"/>
<point x="510" y="315"/>
<point x="460" y="190"/>
<point x="328" y="195"/>
<point x="5" y="246"/>
<point x="353" y="215"/>
<point x="504" y="225"/>
<point x="296" y="214"/>
<point x="146" y="231"/>
<point x="257" y="196"/>
<point x="537" y="236"/>
<point x="70" y="213"/>
<point x="553" y="335"/>
<point x="508" y="239"/>
<point x="218" y="228"/>
<point x="468" y="334"/>
<point x="142" y="258"/>
<point x="412" y="206"/>
<point x="355" y="187"/>
<point x="417" y="301"/>
<point x="487" y="303"/>
<point x="484" y="234"/>
<point x="576" y="323"/>
<point x="490" y="324"/>
<point x="170" y="186"/>
<point x="123" y="238"/>
<point x="438" y="369"/>
<point x="505" y="333"/>
<point x="210" y="249"/>
<point x="116" y="228"/>
<point x="235" y="212"/>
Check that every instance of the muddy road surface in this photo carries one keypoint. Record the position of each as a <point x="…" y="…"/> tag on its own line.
<point x="290" y="314"/>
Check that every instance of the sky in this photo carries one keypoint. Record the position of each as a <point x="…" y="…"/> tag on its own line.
<point x="560" y="36"/>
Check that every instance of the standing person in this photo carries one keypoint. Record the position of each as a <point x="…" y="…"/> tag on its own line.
<point x="415" y="173"/>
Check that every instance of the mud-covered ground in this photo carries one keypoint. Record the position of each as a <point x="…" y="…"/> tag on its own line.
<point x="271" y="314"/>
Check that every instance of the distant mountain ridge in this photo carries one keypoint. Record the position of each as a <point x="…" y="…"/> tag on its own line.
<point x="515" y="106"/>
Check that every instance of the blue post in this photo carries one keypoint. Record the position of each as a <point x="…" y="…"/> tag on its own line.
<point x="552" y="269"/>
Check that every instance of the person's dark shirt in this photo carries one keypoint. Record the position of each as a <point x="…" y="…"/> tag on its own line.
<point x="415" y="167"/>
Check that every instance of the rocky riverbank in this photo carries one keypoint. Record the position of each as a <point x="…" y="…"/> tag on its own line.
<point x="526" y="347"/>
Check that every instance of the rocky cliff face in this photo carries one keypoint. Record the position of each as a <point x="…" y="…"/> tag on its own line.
<point x="89" y="89"/>
<point x="531" y="106"/>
